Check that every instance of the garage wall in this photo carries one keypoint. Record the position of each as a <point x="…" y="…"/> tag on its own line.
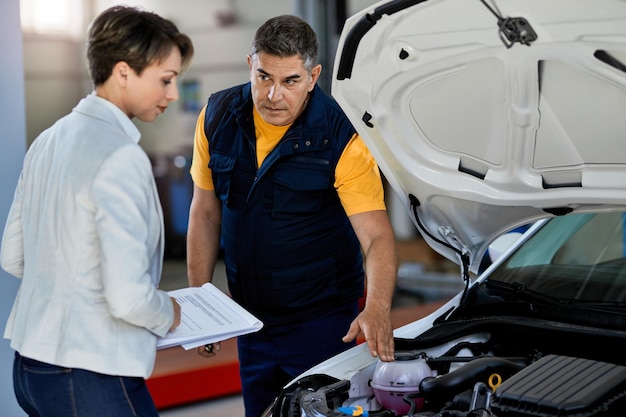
<point x="56" y="75"/>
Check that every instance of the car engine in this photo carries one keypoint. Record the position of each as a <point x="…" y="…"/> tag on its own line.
<point x="472" y="378"/>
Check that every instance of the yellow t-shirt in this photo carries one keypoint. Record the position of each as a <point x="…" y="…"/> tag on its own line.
<point x="357" y="178"/>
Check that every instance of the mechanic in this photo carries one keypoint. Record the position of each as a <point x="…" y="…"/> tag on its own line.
<point x="286" y="185"/>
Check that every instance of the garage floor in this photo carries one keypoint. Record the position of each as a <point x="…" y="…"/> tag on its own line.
<point x="231" y="406"/>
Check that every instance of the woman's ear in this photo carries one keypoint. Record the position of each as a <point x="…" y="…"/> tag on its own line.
<point x="120" y="73"/>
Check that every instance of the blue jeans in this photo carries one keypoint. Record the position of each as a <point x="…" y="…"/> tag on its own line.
<point x="45" y="390"/>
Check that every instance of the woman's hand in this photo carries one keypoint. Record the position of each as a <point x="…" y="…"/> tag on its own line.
<point x="176" y="321"/>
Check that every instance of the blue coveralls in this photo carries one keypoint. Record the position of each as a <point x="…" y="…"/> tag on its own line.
<point x="291" y="255"/>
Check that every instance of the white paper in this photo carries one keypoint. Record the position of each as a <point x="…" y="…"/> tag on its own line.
<point x="207" y="316"/>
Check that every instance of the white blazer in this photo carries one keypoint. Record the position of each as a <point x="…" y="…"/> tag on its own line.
<point x="85" y="234"/>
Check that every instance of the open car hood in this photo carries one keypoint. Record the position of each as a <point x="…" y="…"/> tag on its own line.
<point x="487" y="115"/>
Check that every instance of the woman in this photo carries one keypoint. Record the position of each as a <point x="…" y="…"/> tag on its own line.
<point x="85" y="233"/>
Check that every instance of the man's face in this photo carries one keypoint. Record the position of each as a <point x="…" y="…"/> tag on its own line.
<point x="280" y="86"/>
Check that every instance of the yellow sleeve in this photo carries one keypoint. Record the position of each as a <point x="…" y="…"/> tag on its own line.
<point x="357" y="179"/>
<point x="200" y="172"/>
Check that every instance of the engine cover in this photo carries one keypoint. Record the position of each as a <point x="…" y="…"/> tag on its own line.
<point x="563" y="386"/>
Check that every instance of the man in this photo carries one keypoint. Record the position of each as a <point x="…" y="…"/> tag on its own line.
<point x="282" y="178"/>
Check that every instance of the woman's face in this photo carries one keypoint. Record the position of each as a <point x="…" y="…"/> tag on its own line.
<point x="149" y="94"/>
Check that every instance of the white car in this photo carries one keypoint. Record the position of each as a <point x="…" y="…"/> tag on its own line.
<point x="485" y="116"/>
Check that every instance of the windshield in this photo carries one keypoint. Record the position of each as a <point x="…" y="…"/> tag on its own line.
<point x="579" y="257"/>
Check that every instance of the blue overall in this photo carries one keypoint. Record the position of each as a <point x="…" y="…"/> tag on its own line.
<point x="291" y="255"/>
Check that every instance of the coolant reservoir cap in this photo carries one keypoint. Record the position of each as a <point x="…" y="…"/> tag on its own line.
<point x="406" y="356"/>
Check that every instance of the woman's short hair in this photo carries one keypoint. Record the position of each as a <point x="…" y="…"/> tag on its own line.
<point x="286" y="36"/>
<point x="135" y="36"/>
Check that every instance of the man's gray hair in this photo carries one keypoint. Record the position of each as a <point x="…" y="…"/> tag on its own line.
<point x="286" y="36"/>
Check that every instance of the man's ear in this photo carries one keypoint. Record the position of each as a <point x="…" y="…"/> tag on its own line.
<point x="315" y="75"/>
<point x="120" y="72"/>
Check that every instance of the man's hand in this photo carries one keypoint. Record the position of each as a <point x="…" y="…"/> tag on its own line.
<point x="375" y="325"/>
<point x="209" y="350"/>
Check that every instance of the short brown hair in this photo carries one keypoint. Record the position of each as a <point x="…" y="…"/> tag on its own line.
<point x="135" y="36"/>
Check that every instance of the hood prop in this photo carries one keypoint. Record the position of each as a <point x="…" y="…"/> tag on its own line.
<point x="462" y="253"/>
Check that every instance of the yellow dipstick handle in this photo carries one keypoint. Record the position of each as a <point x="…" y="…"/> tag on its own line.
<point x="494" y="381"/>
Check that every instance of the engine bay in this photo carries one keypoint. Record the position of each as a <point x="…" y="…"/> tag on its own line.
<point x="565" y="372"/>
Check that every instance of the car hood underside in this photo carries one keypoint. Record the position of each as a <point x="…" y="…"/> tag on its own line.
<point x="488" y="115"/>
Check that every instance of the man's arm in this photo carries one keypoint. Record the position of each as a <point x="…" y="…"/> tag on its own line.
<point x="377" y="239"/>
<point x="203" y="236"/>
